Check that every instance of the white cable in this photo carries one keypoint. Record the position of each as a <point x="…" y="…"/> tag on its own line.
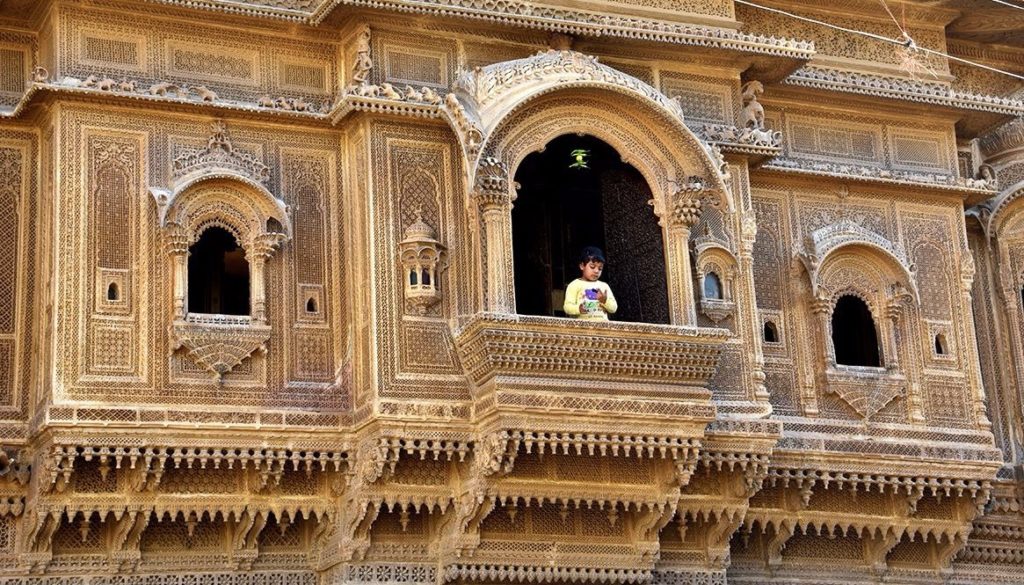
<point x="901" y="42"/>
<point x="1005" y="3"/>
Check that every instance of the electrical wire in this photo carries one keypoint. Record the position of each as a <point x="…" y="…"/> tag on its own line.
<point x="1005" y="3"/>
<point x="906" y="41"/>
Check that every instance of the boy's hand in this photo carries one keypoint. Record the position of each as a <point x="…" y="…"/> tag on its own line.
<point x="601" y="296"/>
<point x="583" y="309"/>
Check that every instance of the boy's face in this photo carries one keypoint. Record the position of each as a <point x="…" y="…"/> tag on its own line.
<point x="591" y="270"/>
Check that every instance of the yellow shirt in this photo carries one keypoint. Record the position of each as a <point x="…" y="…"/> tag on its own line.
<point x="576" y="294"/>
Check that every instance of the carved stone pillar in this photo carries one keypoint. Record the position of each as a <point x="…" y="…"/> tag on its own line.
<point x="258" y="253"/>
<point x="822" y="308"/>
<point x="685" y="215"/>
<point x="746" y="302"/>
<point x="176" y="241"/>
<point x="967" y="271"/>
<point x="890" y="348"/>
<point x="492" y="195"/>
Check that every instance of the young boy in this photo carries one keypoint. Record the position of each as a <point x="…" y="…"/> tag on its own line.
<point x="587" y="297"/>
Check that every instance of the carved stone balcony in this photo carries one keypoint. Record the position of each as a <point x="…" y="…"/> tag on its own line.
<point x="219" y="342"/>
<point x="617" y="377"/>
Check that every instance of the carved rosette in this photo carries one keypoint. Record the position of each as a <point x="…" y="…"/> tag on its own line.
<point x="219" y="346"/>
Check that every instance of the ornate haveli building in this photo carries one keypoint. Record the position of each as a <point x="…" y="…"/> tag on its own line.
<point x="281" y="289"/>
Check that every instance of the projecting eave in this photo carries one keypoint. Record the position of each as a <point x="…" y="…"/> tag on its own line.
<point x="975" y="113"/>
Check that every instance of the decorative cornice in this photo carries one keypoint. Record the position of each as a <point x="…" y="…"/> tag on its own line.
<point x="530" y="15"/>
<point x="543" y="574"/>
<point x="880" y="175"/>
<point x="886" y="86"/>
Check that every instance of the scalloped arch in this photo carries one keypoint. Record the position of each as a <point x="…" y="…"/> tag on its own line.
<point x="248" y="197"/>
<point x="493" y="96"/>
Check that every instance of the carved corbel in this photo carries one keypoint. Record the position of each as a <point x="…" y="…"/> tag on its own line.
<point x="876" y="549"/>
<point x="245" y="541"/>
<point x="357" y="520"/>
<point x="42" y="525"/>
<point x="718" y="536"/>
<point x="125" y="538"/>
<point x="776" y="543"/>
<point x="459" y="530"/>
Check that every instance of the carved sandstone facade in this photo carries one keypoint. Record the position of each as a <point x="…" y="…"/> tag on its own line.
<point x="816" y="375"/>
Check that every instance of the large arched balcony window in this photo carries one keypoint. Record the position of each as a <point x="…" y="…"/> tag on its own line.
<point x="220" y="234"/>
<point x="578" y="192"/>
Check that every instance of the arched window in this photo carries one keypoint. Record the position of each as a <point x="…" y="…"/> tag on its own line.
<point x="311" y="305"/>
<point x="771" y="332"/>
<point x="113" y="293"/>
<point x="853" y="333"/>
<point x="940" y="344"/>
<point x="578" y="192"/>
<point x="218" y="275"/>
<point x="712" y="287"/>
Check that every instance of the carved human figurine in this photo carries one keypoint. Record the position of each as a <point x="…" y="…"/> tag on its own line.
<point x="363" y="63"/>
<point x="588" y="297"/>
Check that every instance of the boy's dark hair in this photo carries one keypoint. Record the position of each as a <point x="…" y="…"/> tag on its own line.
<point x="591" y="253"/>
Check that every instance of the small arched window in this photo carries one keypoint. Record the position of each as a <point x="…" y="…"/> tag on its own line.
<point x="712" y="286"/>
<point x="853" y="333"/>
<point x="771" y="332"/>
<point x="940" y="344"/>
<point x="218" y="275"/>
<point x="413" y="277"/>
<point x="311" y="305"/>
<point x="274" y="226"/>
<point x="113" y="293"/>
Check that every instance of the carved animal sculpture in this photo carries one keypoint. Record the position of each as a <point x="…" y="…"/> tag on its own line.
<point x="367" y="90"/>
<point x="40" y="74"/>
<point x="205" y="94"/>
<point x="431" y="97"/>
<point x="163" y="88"/>
<point x="265" y="102"/>
<point x="126" y="85"/>
<point x="90" y="81"/>
<point x="283" y="104"/>
<point x="106" y="84"/>
<point x="388" y="91"/>
<point x="753" y="112"/>
<point x="412" y="95"/>
<point x="300" y="105"/>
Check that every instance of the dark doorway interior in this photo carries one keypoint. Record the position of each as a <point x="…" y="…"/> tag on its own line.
<point x="564" y="205"/>
<point x="218" y="275"/>
<point x="853" y="333"/>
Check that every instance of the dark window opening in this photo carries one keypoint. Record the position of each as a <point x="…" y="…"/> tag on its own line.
<point x="771" y="332"/>
<point x="940" y="344"/>
<point x="577" y="192"/>
<point x="425" y="278"/>
<point x="311" y="305"/>
<point x="853" y="333"/>
<point x="113" y="293"/>
<point x="218" y="275"/>
<point x="274" y="226"/>
<point x="413" y="278"/>
<point x="712" y="286"/>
